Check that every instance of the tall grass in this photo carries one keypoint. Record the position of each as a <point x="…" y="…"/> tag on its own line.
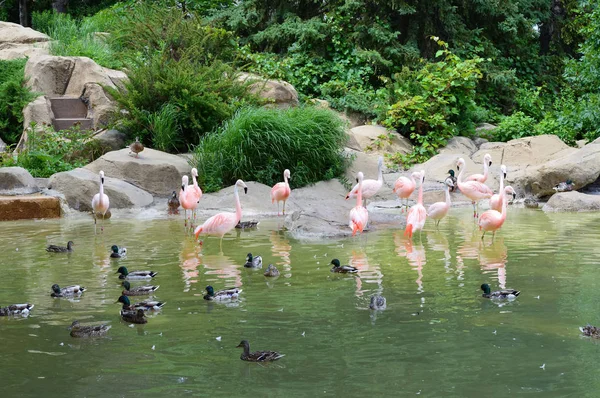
<point x="14" y="95"/>
<point x="257" y="144"/>
<point x="164" y="128"/>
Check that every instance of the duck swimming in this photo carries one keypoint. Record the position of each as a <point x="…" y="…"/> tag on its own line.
<point x="125" y="274"/>
<point x="500" y="294"/>
<point x="272" y="271"/>
<point x="344" y="269"/>
<point x="147" y="305"/>
<point x="590" y="331"/>
<point x="221" y="295"/>
<point x="16" y="309"/>
<point x="138" y="290"/>
<point x="377" y="303"/>
<point x="68" y="291"/>
<point x="253" y="262"/>
<point x="78" y="330"/>
<point x="247" y="224"/>
<point x="61" y="249"/>
<point x="118" y="252"/>
<point x="134" y="316"/>
<point x="257" y="356"/>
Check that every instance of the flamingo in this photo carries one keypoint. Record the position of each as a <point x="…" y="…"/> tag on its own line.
<point x="221" y="223"/>
<point x="196" y="191"/>
<point x="496" y="200"/>
<point x="369" y="187"/>
<point x="473" y="190"/>
<point x="403" y="187"/>
<point x="281" y="191"/>
<point x="492" y="220"/>
<point x="487" y="162"/>
<point x="100" y="203"/>
<point x="359" y="216"/>
<point x="415" y="220"/>
<point x="187" y="198"/>
<point x="438" y="210"/>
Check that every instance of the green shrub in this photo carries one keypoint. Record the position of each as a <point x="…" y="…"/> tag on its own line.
<point x="258" y="144"/>
<point x="14" y="95"/>
<point x="514" y="126"/>
<point x="164" y="128"/>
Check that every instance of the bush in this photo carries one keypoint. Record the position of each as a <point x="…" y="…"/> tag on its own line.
<point x="514" y="126"/>
<point x="258" y="144"/>
<point x="14" y="95"/>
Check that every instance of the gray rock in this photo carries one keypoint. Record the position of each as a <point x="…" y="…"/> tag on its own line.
<point x="2" y="146"/>
<point x="39" y="112"/>
<point x="101" y="105"/>
<point x="278" y="92"/>
<point x="16" y="181"/>
<point x="573" y="202"/>
<point x="378" y="140"/>
<point x="80" y="185"/>
<point x="460" y="145"/>
<point x="112" y="139"/>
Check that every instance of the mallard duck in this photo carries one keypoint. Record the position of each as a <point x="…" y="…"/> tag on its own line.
<point x="500" y="294"/>
<point x="345" y="269"/>
<point x="117" y="252"/>
<point x="377" y="303"/>
<point x="125" y="274"/>
<point x="78" y="330"/>
<point x="253" y="262"/>
<point x="247" y="224"/>
<point x="136" y="147"/>
<point x="272" y="271"/>
<point x="221" y="295"/>
<point x="61" y="249"/>
<point x="69" y="291"/>
<point x="137" y="291"/>
<point x="134" y="316"/>
<point x="16" y="309"/>
<point x="173" y="204"/>
<point x="454" y="179"/>
<point x="590" y="331"/>
<point x="564" y="186"/>
<point x="257" y="356"/>
<point x="147" y="305"/>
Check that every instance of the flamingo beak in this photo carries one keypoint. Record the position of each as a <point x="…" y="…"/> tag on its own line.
<point x="504" y="175"/>
<point x="197" y="233"/>
<point x="102" y="180"/>
<point x="183" y="187"/>
<point x="245" y="190"/>
<point x="514" y="195"/>
<point x="457" y="167"/>
<point x="490" y="163"/>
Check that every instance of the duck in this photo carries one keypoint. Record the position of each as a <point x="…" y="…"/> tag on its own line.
<point x="453" y="178"/>
<point x="78" y="330"/>
<point x="125" y="274"/>
<point x="16" y="309"/>
<point x="500" y="294"/>
<point x="253" y="262"/>
<point x="143" y="305"/>
<point x="173" y="204"/>
<point x="257" y="356"/>
<point x="247" y="224"/>
<point x="137" y="291"/>
<point x="136" y="147"/>
<point x="118" y="252"/>
<point x="272" y="271"/>
<point x="134" y="316"/>
<point x="377" y="303"/>
<point x="564" y="186"/>
<point x="590" y="331"/>
<point x="221" y="295"/>
<point x="344" y="269"/>
<point x="68" y="291"/>
<point x="61" y="249"/>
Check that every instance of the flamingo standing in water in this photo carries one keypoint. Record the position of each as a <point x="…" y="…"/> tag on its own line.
<point x="281" y="191"/>
<point x="187" y="198"/>
<point x="369" y="187"/>
<point x="196" y="191"/>
<point x="221" y="223"/>
<point x="487" y="162"/>
<point x="497" y="199"/>
<point x="415" y="220"/>
<point x="473" y="190"/>
<point x="438" y="210"/>
<point x="492" y="220"/>
<point x="359" y="216"/>
<point x="100" y="202"/>
<point x="404" y="187"/>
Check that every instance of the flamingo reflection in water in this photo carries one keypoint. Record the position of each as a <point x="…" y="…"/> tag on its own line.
<point x="493" y="258"/>
<point x="219" y="266"/>
<point x="415" y="254"/>
<point x="281" y="248"/>
<point x="366" y="273"/>
<point x="189" y="259"/>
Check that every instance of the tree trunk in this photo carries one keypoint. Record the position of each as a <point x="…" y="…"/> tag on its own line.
<point x="23" y="13"/>
<point x="60" y="5"/>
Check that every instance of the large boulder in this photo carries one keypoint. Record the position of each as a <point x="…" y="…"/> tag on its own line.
<point x="113" y="140"/>
<point x="80" y="185"/>
<point x="87" y="71"/>
<point x="29" y="207"/>
<point x="154" y="171"/>
<point x="102" y="105"/>
<point x="17" y="41"/>
<point x="378" y="139"/>
<point x="253" y="203"/>
<point x="277" y="92"/>
<point x="16" y="181"/>
<point x="48" y="74"/>
<point x="572" y="201"/>
<point x="460" y="145"/>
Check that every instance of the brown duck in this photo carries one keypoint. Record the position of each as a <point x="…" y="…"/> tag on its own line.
<point x="136" y="147"/>
<point x="258" y="356"/>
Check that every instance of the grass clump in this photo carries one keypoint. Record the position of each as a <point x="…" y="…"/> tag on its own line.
<point x="257" y="144"/>
<point x="14" y="95"/>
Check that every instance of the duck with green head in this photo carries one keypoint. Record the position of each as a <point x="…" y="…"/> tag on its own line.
<point x="61" y="249"/>
<point x="125" y="274"/>
<point x="221" y="295"/>
<point x="147" y="305"/>
<point x="138" y="290"/>
<point x="500" y="294"/>
<point x="118" y="252"/>
<point x="564" y="186"/>
<point x="343" y="269"/>
<point x="68" y="291"/>
<point x="78" y="330"/>
<point x="253" y="261"/>
<point x="257" y="356"/>
<point x="454" y="179"/>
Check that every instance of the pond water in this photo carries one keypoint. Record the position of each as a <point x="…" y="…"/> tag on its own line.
<point x="437" y="337"/>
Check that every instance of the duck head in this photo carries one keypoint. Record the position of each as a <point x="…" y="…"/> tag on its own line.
<point x="126" y="285"/>
<point x="123" y="271"/>
<point x="56" y="288"/>
<point x="335" y="262"/>
<point x="210" y="291"/>
<point x="451" y="172"/>
<point x="249" y="257"/>
<point x="114" y="248"/>
<point x="486" y="288"/>
<point x="244" y="344"/>
<point x="124" y="300"/>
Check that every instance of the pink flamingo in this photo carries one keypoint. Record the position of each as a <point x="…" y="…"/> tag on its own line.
<point x="415" y="220"/>
<point x="187" y="198"/>
<point x="487" y="162"/>
<point x="496" y="200"/>
<point x="438" y="210"/>
<point x="473" y="190"/>
<point x="492" y="220"/>
<point x="196" y="191"/>
<point x="221" y="223"/>
<point x="281" y="191"/>
<point x="100" y="202"/>
<point x="403" y="187"/>
<point x="369" y="187"/>
<point x="359" y="216"/>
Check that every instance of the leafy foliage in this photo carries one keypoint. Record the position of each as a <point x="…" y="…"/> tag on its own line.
<point x="257" y="144"/>
<point x="14" y="95"/>
<point x="514" y="126"/>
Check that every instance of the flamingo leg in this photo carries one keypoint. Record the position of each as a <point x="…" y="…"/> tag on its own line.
<point x="95" y="222"/>
<point x="102" y="224"/>
<point x="482" y="235"/>
<point x="474" y="211"/>
<point x="277" y="208"/>
<point x="185" y="217"/>
<point x="284" y="207"/>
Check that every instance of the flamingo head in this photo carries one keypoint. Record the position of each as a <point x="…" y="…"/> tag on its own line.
<point x="460" y="163"/>
<point x="210" y="290"/>
<point x="241" y="184"/>
<point x="510" y="191"/>
<point x="286" y="174"/>
<point x="449" y="182"/>
<point x="101" y="176"/>
<point x="360" y="176"/>
<point x="195" y="172"/>
<point x="184" y="182"/>
<point x="126" y="285"/>
<point x="197" y="231"/>
<point x="422" y="176"/>
<point x="486" y="288"/>
<point x="487" y="159"/>
<point x="503" y="170"/>
<point x="56" y="288"/>
<point x="124" y="300"/>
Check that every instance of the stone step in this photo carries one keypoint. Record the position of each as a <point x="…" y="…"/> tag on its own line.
<point x="68" y="107"/>
<point x="28" y="207"/>
<point x="67" y="123"/>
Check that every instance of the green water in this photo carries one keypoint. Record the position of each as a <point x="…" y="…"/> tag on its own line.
<point x="437" y="337"/>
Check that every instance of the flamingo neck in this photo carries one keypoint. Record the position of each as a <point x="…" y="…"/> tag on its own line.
<point x="420" y="200"/>
<point x="501" y="182"/>
<point x="238" y="205"/>
<point x="359" y="194"/>
<point x="101" y="193"/>
<point x="504" y="206"/>
<point x="460" y="173"/>
<point x="447" y="189"/>
<point x="380" y="176"/>
<point x="285" y="180"/>
<point x="485" y="169"/>
<point x="194" y="180"/>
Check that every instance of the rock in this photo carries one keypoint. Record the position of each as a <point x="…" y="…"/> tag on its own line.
<point x="484" y="129"/>
<point x="49" y="75"/>
<point x="253" y="203"/>
<point x="111" y="139"/>
<point x="279" y="93"/>
<point x="80" y="185"/>
<point x="16" y="181"/>
<point x="17" y="41"/>
<point x="572" y="201"/>
<point x="581" y="143"/>
<point x="154" y="171"/>
<point x="10" y="51"/>
<point x="378" y="139"/>
<point x="87" y="71"/>
<point x="29" y="207"/>
<point x="460" y="145"/>
<point x="39" y="112"/>
<point x="436" y="168"/>
<point x="478" y="141"/>
<point x="102" y="105"/>
<point x="2" y="146"/>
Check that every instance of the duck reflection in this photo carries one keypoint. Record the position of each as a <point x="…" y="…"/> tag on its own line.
<point x="492" y="259"/>
<point x="189" y="260"/>
<point x="281" y="248"/>
<point x="414" y="253"/>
